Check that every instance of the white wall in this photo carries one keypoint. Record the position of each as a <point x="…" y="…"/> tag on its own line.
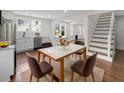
<point x="92" y="20"/>
<point x="119" y="33"/>
<point x="45" y="27"/>
<point x="85" y="29"/>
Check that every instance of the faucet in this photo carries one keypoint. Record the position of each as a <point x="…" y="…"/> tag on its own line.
<point x="23" y="34"/>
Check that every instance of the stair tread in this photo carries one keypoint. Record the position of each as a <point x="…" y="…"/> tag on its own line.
<point x="104" y="20"/>
<point x="101" y="33"/>
<point x="103" y="24"/>
<point x="102" y="29"/>
<point x="100" y="37"/>
<point x="99" y="42"/>
<point x="99" y="29"/>
<point x="97" y="26"/>
<point x="105" y="17"/>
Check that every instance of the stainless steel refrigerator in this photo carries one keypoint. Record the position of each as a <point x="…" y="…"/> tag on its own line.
<point x="7" y="31"/>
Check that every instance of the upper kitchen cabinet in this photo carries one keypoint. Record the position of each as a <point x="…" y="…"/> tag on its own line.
<point x="36" y="27"/>
<point x="35" y="23"/>
<point x="23" y="24"/>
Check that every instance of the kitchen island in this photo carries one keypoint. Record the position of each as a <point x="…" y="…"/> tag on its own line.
<point x="7" y="62"/>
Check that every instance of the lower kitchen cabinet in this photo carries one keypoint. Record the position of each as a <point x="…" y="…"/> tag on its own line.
<point x="37" y="42"/>
<point x="24" y="44"/>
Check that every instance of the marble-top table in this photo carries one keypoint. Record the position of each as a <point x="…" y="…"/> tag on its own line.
<point x="58" y="53"/>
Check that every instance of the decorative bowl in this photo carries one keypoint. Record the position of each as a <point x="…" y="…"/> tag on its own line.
<point x="4" y="44"/>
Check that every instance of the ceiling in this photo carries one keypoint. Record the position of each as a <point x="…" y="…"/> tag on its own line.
<point x="119" y="13"/>
<point x="65" y="15"/>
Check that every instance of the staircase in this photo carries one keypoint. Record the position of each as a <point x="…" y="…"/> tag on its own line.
<point x="103" y="38"/>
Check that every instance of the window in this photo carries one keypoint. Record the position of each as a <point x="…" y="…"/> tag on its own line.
<point x="60" y="29"/>
<point x="76" y="29"/>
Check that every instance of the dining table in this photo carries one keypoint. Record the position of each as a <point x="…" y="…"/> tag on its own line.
<point x="59" y="53"/>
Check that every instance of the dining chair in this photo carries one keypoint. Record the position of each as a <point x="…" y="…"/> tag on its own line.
<point x="46" y="45"/>
<point x="38" y="70"/>
<point x="82" y="51"/>
<point x="84" y="68"/>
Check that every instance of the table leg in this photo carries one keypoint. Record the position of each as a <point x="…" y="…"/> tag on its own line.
<point x="38" y="57"/>
<point x="85" y="55"/>
<point x="61" y="70"/>
<point x="49" y="60"/>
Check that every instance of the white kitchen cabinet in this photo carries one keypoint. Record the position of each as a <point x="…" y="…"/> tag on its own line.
<point x="7" y="63"/>
<point x="24" y="44"/>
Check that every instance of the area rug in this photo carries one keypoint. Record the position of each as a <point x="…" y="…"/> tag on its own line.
<point x="98" y="74"/>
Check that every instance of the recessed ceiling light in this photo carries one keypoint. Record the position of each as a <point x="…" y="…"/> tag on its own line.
<point x="65" y="10"/>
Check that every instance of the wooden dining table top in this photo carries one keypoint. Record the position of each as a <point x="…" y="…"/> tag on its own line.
<point x="58" y="52"/>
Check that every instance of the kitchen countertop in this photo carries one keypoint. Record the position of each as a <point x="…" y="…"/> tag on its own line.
<point x="8" y="47"/>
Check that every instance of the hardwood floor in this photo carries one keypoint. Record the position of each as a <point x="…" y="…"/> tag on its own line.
<point x="114" y="72"/>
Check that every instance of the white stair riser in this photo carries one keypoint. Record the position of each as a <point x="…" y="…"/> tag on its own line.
<point x="100" y="50"/>
<point x="100" y="40"/>
<point x="101" y="32"/>
<point x="105" y="20"/>
<point x="102" y="24"/>
<point x="102" y="29"/>
<point x="102" y="36"/>
<point x="98" y="44"/>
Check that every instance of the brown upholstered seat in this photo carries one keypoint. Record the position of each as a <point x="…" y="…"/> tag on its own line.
<point x="84" y="68"/>
<point x="79" y="43"/>
<point x="38" y="70"/>
<point x="46" y="45"/>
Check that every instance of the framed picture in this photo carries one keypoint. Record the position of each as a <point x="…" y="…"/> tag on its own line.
<point x="23" y="22"/>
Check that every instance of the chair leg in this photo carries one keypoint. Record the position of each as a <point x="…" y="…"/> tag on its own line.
<point x="76" y="56"/>
<point x="50" y="61"/>
<point x="30" y="77"/>
<point x="85" y="79"/>
<point x="93" y="77"/>
<point x="80" y="57"/>
<point x="51" y="74"/>
<point x="38" y="80"/>
<point x="44" y="57"/>
<point x="72" y="75"/>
